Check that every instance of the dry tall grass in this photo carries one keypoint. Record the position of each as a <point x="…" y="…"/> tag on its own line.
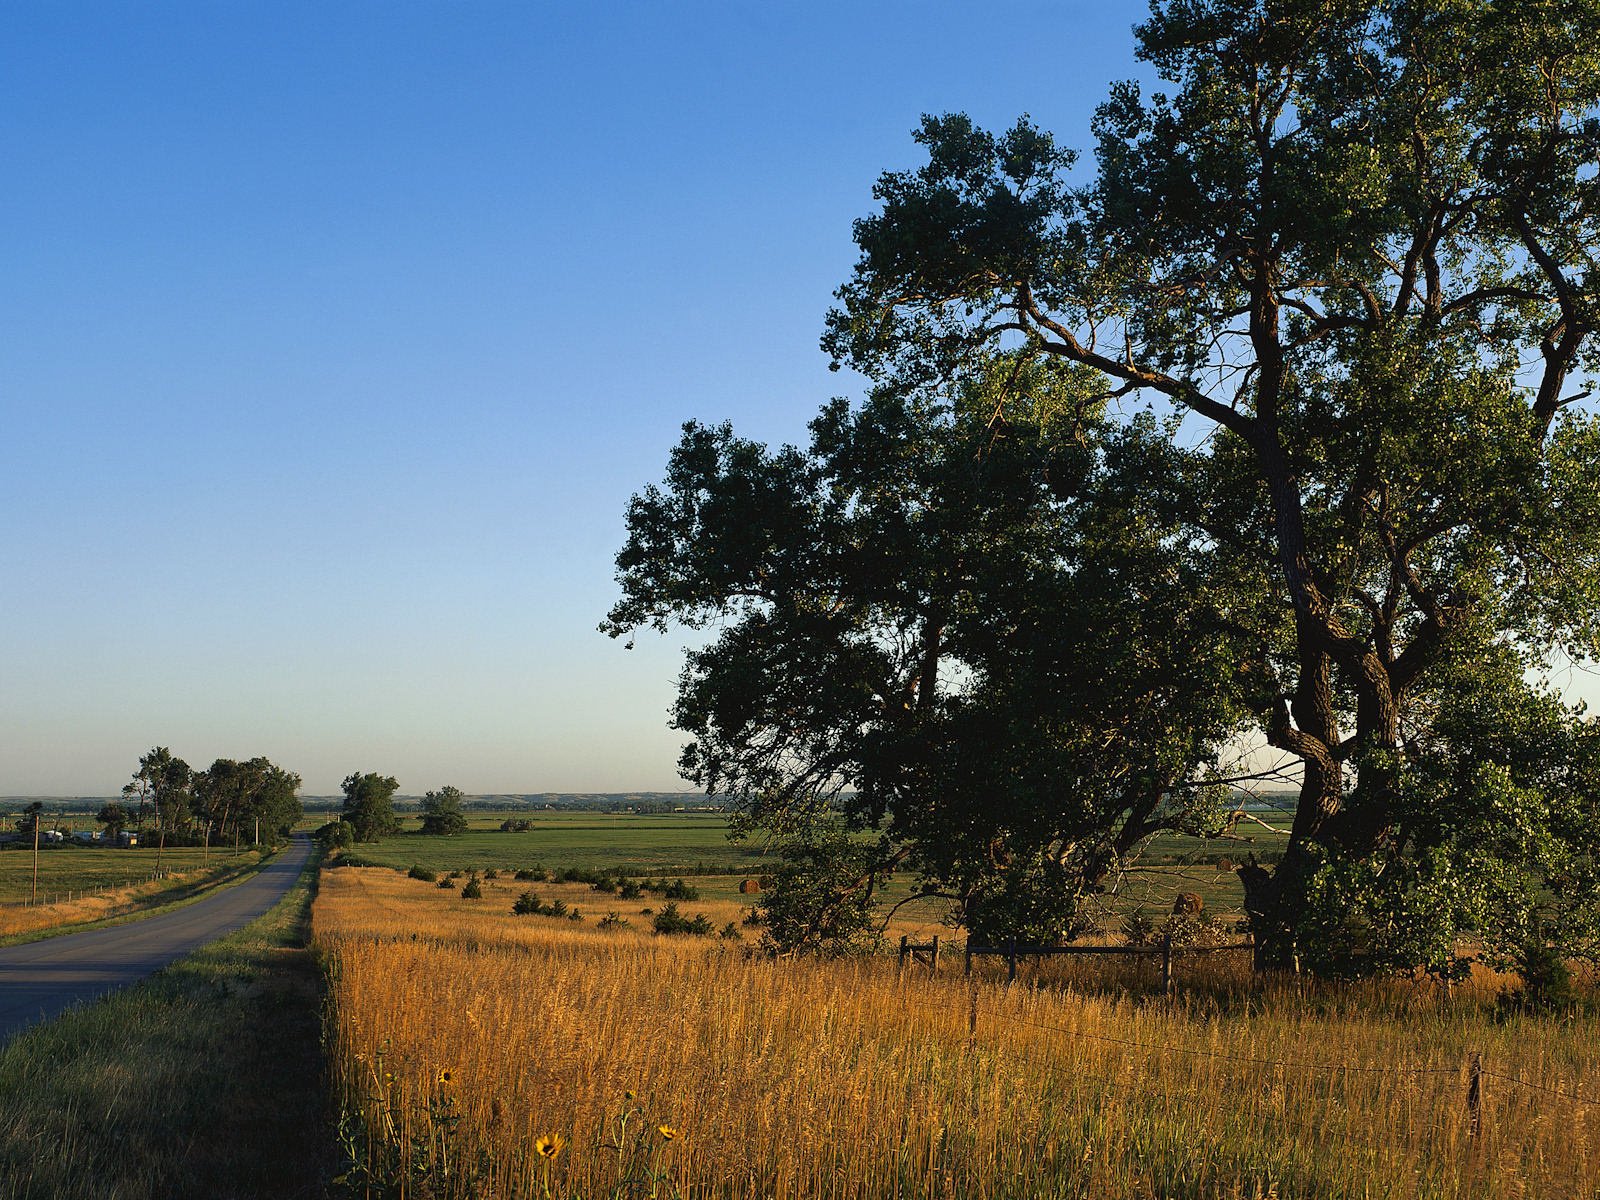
<point x="461" y="1035"/>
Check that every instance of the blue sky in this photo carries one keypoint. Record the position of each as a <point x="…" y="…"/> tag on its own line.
<point x="336" y="337"/>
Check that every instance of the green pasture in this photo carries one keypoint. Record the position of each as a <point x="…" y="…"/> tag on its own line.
<point x="696" y="846"/>
<point x="672" y="843"/>
<point x="77" y="870"/>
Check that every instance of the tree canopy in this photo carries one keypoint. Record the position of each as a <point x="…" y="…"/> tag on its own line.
<point x="1318" y="464"/>
<point x="232" y="796"/>
<point x="369" y="805"/>
<point x="442" y="814"/>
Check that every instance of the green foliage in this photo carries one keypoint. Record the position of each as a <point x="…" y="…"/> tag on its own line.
<point x="337" y="835"/>
<point x="1350" y="253"/>
<point x="441" y="813"/>
<point x="29" y="822"/>
<point x="114" y="817"/>
<point x="669" y="920"/>
<point x="369" y="805"/>
<point x="473" y="890"/>
<point x="824" y="895"/>
<point x="423" y="874"/>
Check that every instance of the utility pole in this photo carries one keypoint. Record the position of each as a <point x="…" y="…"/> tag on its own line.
<point x="34" y="898"/>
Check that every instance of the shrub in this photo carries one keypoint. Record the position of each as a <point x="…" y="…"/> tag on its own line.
<point x="529" y="873"/>
<point x="457" y="874"/>
<point x="516" y="825"/>
<point x="629" y="890"/>
<point x="670" y="920"/>
<point x="447" y="882"/>
<point x="421" y="873"/>
<point x="574" y="915"/>
<point x="753" y="917"/>
<point x="527" y="905"/>
<point x="605" y="884"/>
<point x="613" y="920"/>
<point x="730" y="932"/>
<point x="1138" y="928"/>
<point x="473" y="891"/>
<point x="491" y="873"/>
<point x="1546" y="978"/>
<point x="337" y="835"/>
<point x="679" y="890"/>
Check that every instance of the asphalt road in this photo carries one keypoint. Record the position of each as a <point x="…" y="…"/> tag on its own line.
<point x="40" y="979"/>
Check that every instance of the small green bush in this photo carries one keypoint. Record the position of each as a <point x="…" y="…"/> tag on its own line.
<point x="669" y="920"/>
<point x="473" y="890"/>
<point x="422" y="873"/>
<point x="448" y="883"/>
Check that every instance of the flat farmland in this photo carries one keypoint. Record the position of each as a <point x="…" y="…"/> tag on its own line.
<point x="80" y="869"/>
<point x="696" y="844"/>
<point x="672" y="843"/>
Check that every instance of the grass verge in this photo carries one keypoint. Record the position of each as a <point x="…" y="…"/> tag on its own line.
<point x="203" y="1081"/>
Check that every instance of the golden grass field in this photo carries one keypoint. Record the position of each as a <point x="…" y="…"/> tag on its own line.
<point x="464" y="1041"/>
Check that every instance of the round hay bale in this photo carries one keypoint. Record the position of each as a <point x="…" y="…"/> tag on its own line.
<point x="749" y="887"/>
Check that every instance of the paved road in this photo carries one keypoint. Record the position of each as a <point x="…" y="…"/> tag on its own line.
<point x="40" y="979"/>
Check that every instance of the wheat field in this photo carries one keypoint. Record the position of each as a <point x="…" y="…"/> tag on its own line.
<point x="478" y="1053"/>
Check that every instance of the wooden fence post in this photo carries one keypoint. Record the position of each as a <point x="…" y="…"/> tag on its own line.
<point x="1475" y="1095"/>
<point x="904" y="950"/>
<point x="1166" y="964"/>
<point x="968" y="969"/>
<point x="933" y="962"/>
<point x="1011" y="962"/>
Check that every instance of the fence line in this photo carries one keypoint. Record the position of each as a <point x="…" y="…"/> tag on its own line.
<point x="1476" y="1072"/>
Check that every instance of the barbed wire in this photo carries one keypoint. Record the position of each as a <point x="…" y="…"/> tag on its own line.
<point x="1197" y="1052"/>
<point x="1574" y="1097"/>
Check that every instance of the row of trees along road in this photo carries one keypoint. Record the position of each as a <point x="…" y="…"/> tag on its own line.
<point x="1276" y="428"/>
<point x="227" y="803"/>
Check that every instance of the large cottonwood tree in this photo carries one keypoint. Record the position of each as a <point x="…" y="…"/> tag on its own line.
<point x="1355" y="243"/>
<point x="906" y="608"/>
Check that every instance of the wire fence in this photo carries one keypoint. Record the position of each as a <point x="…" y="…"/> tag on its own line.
<point x="1466" y="1093"/>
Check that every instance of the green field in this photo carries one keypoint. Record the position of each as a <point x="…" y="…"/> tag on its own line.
<point x="672" y="843"/>
<point x="696" y="844"/>
<point x="76" y="870"/>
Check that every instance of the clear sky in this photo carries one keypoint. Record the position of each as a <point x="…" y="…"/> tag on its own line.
<point x="334" y="338"/>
